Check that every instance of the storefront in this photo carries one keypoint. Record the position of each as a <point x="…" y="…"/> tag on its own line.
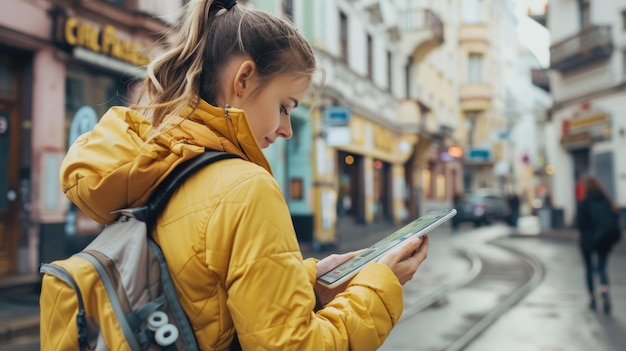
<point x="361" y="173"/>
<point x="14" y="133"/>
<point x="56" y="79"/>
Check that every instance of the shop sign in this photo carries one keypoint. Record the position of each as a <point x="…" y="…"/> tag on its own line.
<point x="337" y="116"/>
<point x="584" y="131"/>
<point x="479" y="155"/>
<point x="105" y="40"/>
<point x="338" y="136"/>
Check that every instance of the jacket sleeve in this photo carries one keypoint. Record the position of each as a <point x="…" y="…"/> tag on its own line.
<point x="270" y="295"/>
<point x="310" y="264"/>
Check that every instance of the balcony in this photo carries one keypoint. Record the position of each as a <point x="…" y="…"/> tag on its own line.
<point x="474" y="33"/>
<point x="540" y="79"/>
<point x="422" y="32"/>
<point x="414" y="116"/>
<point x="343" y="84"/>
<point x="591" y="44"/>
<point x="475" y="96"/>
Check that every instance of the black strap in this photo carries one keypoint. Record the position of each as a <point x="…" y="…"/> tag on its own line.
<point x="149" y="212"/>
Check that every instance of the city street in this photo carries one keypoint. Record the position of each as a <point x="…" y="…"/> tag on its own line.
<point x="482" y="289"/>
<point x="488" y="288"/>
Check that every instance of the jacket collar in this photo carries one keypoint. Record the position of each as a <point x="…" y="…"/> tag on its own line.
<point x="221" y="129"/>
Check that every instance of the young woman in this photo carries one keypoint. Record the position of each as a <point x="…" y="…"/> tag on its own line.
<point x="229" y="82"/>
<point x="598" y="223"/>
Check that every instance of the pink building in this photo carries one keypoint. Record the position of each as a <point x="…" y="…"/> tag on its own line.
<point x="62" y="65"/>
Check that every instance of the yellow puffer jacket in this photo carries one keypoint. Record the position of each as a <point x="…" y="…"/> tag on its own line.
<point x="227" y="235"/>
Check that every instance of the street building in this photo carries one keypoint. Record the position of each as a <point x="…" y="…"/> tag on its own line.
<point x="62" y="65"/>
<point x="414" y="102"/>
<point x="587" y="85"/>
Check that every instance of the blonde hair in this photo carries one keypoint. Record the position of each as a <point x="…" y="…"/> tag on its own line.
<point x="203" y="45"/>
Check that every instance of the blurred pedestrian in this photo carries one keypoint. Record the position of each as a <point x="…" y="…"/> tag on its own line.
<point x="597" y="220"/>
<point x="514" y="206"/>
<point x="228" y="82"/>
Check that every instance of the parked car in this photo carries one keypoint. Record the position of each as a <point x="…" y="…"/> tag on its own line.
<point x="482" y="207"/>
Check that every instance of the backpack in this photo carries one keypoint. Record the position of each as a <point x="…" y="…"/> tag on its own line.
<point x="117" y="293"/>
<point x="606" y="226"/>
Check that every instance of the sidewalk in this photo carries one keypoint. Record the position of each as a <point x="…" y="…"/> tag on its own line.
<point x="351" y="236"/>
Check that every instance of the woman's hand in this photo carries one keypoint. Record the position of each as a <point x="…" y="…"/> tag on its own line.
<point x="404" y="259"/>
<point x="325" y="265"/>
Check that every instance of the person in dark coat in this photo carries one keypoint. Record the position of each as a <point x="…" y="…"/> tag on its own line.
<point x="598" y="223"/>
<point x="514" y="206"/>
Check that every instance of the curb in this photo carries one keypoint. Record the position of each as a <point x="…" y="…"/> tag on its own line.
<point x="19" y="327"/>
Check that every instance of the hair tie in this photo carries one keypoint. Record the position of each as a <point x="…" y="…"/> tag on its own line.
<point x="226" y="5"/>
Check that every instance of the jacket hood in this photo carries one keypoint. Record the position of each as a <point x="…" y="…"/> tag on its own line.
<point x="123" y="159"/>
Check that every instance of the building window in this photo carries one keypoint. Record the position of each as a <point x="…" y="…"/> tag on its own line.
<point x="343" y="36"/>
<point x="389" y="71"/>
<point x="585" y="13"/>
<point x="475" y="68"/>
<point x="370" y="57"/>
<point x="288" y="9"/>
<point x="85" y="86"/>
<point x="472" y="11"/>
<point x="296" y="189"/>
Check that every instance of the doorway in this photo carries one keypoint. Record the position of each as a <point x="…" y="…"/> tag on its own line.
<point x="10" y="132"/>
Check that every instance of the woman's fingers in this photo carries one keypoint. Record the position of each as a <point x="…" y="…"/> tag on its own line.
<point x="405" y="259"/>
<point x="334" y="260"/>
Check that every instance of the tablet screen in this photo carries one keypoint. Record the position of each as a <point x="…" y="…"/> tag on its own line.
<point x="433" y="219"/>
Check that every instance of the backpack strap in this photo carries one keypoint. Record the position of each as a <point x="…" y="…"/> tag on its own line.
<point x="149" y="212"/>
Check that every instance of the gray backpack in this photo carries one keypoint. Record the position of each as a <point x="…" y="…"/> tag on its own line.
<point x="138" y="307"/>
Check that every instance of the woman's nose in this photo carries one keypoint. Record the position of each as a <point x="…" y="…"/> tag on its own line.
<point x="284" y="129"/>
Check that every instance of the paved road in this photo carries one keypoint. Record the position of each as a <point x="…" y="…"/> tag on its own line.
<point x="552" y="317"/>
<point x="555" y="316"/>
<point x="548" y="315"/>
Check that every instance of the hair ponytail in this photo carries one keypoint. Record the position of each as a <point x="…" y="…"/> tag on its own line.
<point x="172" y="82"/>
<point x="211" y="34"/>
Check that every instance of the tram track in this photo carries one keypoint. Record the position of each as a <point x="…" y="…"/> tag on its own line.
<point x="498" y="278"/>
<point x="536" y="274"/>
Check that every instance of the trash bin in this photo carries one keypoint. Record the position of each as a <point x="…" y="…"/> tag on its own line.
<point x="558" y="220"/>
<point x="545" y="218"/>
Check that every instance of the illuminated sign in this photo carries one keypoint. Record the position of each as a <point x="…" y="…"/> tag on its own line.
<point x="103" y="40"/>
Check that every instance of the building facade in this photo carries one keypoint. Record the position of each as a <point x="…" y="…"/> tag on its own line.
<point x="487" y="53"/>
<point x="587" y="70"/>
<point x="62" y="65"/>
<point x="366" y="143"/>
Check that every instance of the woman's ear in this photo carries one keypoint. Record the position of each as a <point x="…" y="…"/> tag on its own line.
<point x="244" y="76"/>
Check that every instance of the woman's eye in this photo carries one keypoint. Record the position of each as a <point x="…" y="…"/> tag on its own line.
<point x="283" y="110"/>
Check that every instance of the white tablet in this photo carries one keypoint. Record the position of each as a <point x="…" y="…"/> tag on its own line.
<point x="418" y="227"/>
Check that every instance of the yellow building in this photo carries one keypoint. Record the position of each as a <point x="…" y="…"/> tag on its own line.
<point x="368" y="132"/>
